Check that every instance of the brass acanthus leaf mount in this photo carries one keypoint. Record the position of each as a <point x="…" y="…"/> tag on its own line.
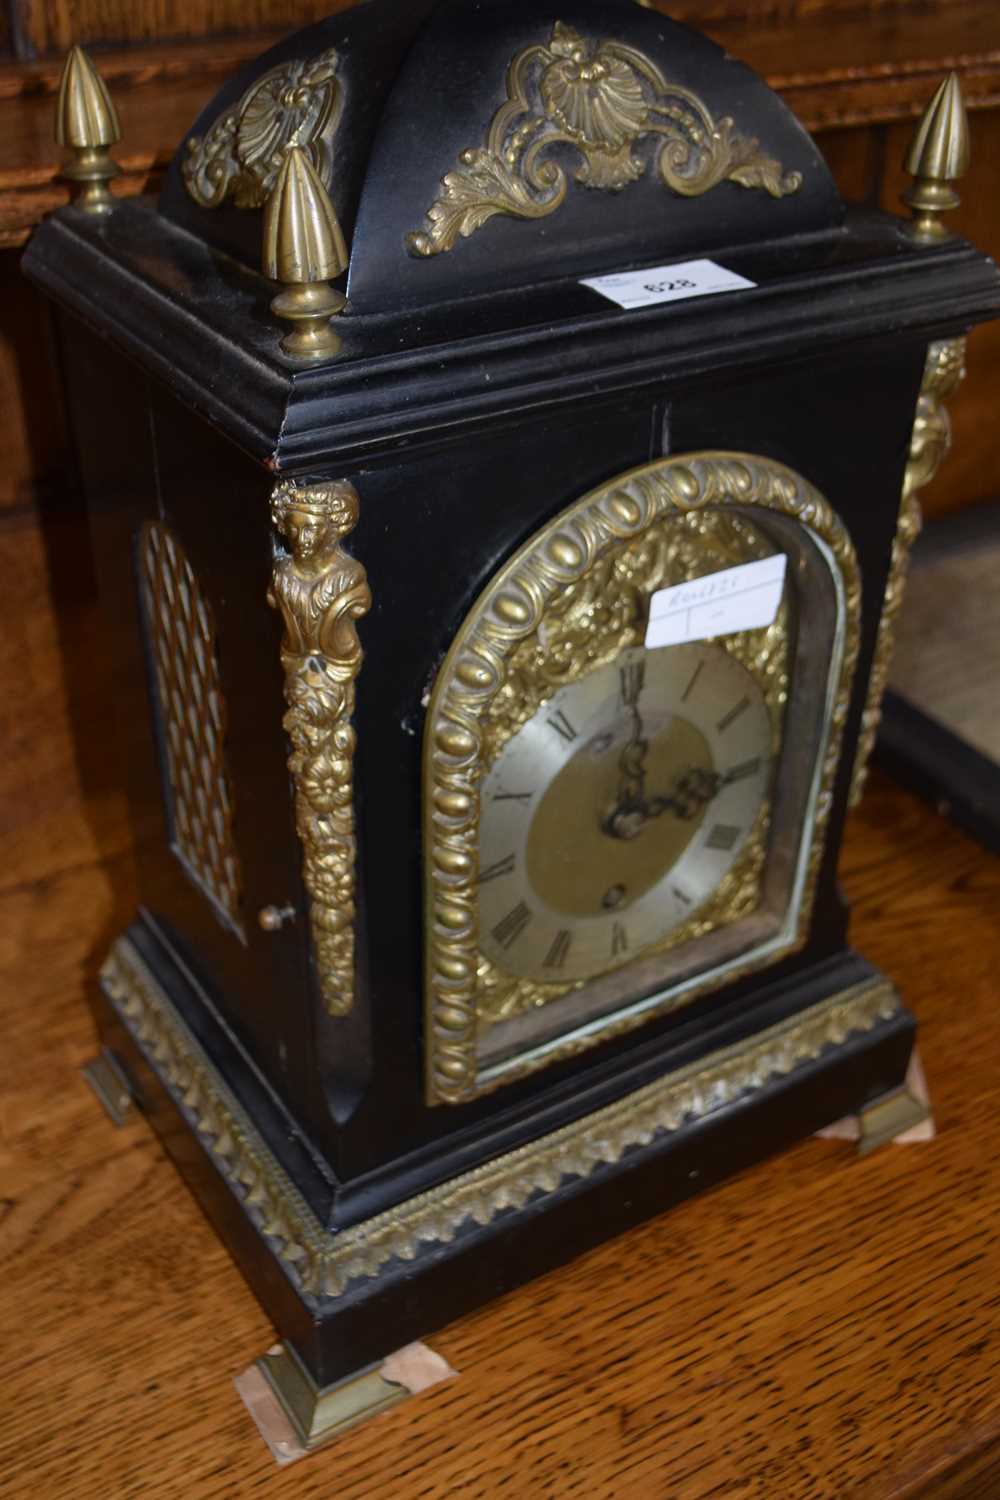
<point x="944" y="371"/>
<point x="603" y="98"/>
<point x="87" y="122"/>
<point x="298" y="103"/>
<point x="321" y="593"/>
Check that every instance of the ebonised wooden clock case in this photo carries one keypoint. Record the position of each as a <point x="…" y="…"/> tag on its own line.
<point x="480" y="392"/>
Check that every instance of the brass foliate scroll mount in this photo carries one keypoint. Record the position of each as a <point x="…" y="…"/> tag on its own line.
<point x="87" y="122"/>
<point x="602" y="99"/>
<point x="938" y="156"/>
<point x="304" y="249"/>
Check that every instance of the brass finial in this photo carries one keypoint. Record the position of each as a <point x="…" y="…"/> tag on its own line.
<point x="87" y="121"/>
<point x="938" y="155"/>
<point x="304" y="248"/>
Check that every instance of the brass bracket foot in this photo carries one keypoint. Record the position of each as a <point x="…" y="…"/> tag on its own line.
<point x="316" y="1415"/>
<point x="886" y="1117"/>
<point x="108" y="1080"/>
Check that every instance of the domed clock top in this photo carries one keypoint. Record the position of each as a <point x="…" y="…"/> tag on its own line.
<point x="468" y="147"/>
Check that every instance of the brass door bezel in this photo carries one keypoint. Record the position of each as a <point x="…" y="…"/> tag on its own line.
<point x="507" y="611"/>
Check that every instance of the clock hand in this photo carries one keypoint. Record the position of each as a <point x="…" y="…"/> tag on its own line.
<point x="629" y="812"/>
<point x="695" y="788"/>
<point x="632" y="766"/>
<point x="693" y="791"/>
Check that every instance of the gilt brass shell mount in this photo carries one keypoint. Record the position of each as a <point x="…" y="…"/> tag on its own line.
<point x="241" y="155"/>
<point x="603" y="98"/>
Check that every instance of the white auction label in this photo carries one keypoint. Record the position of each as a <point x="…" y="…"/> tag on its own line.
<point x="690" y="278"/>
<point x="743" y="598"/>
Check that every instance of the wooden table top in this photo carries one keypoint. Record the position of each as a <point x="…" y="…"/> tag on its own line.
<point x="818" y="1327"/>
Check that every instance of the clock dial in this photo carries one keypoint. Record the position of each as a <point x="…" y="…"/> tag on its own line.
<point x="614" y="814"/>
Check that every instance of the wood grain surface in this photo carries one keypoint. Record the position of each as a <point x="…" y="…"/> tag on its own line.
<point x="29" y="28"/>
<point x="866" y="66"/>
<point x="819" y="1327"/>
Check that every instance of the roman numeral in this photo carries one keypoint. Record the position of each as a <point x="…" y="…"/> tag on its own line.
<point x="556" y="956"/>
<point x="503" y="866"/>
<point x="562" y="726"/>
<point x="682" y="896"/>
<point x="733" y="714"/>
<point x="509" y="929"/>
<point x="619" y="940"/>
<point x="632" y="675"/>
<point x="745" y="768"/>
<point x="723" y="836"/>
<point x="694" y="678"/>
<point x="512" y="796"/>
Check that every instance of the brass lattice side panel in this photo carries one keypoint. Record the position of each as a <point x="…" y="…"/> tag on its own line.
<point x="192" y="719"/>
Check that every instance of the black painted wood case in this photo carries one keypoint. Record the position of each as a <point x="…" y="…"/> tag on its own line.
<point x="482" y="389"/>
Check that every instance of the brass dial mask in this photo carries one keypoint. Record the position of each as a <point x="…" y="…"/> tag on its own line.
<point x="616" y="811"/>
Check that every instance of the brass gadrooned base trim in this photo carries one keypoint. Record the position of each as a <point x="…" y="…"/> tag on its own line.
<point x="325" y="1263"/>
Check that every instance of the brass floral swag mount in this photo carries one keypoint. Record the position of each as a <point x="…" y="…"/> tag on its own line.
<point x="930" y="442"/>
<point x="321" y="593"/>
<point x="601" y="98"/>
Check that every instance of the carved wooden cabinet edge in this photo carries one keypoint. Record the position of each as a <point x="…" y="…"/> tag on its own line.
<point x="325" y="1263"/>
<point x="930" y="441"/>
<point x="321" y="592"/>
<point x="563" y="552"/>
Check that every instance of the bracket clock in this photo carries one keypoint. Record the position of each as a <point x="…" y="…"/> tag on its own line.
<point x="497" y="634"/>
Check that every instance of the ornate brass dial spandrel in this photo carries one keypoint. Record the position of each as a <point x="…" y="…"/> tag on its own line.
<point x="930" y="441"/>
<point x="192" y="719"/>
<point x="575" y="597"/>
<point x="603" y="98"/>
<point x="321" y="593"/>
<point x="296" y="104"/>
